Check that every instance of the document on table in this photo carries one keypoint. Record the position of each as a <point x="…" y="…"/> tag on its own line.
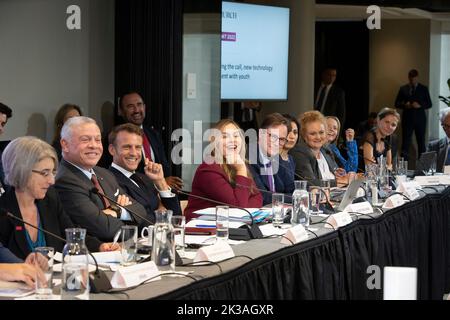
<point x="9" y="289"/>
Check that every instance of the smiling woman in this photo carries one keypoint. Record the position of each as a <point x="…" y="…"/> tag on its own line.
<point x="30" y="168"/>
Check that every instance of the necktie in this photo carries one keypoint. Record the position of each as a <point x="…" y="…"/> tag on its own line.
<point x="136" y="179"/>
<point x="412" y="90"/>
<point x="270" y="176"/>
<point x="447" y="158"/>
<point x="99" y="187"/>
<point x="147" y="148"/>
<point x="321" y="98"/>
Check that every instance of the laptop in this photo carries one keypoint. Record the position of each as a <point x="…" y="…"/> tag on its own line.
<point x="426" y="162"/>
<point x="350" y="194"/>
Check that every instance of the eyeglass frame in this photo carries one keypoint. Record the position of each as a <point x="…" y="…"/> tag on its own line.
<point x="274" y="138"/>
<point x="45" y="173"/>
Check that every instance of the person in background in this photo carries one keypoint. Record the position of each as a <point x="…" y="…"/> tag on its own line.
<point x="413" y="98"/>
<point x="286" y="160"/>
<point x="224" y="176"/>
<point x="330" y="99"/>
<point x="267" y="172"/>
<point x="365" y="126"/>
<point x="5" y="114"/>
<point x="314" y="162"/>
<point x="125" y="146"/>
<point x="441" y="146"/>
<point x="376" y="142"/>
<point x="30" y="167"/>
<point x="351" y="148"/>
<point x="78" y="176"/>
<point x="245" y="114"/>
<point x="65" y="112"/>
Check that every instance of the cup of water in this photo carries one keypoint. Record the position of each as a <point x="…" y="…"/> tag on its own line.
<point x="222" y="219"/>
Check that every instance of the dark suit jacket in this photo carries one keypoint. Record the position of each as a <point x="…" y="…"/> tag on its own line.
<point x="306" y="165"/>
<point x="440" y="146"/>
<point x="53" y="219"/>
<point x="6" y="256"/>
<point x="421" y="96"/>
<point x="147" y="196"/>
<point x="335" y="103"/>
<point x="283" y="181"/>
<point x="85" y="207"/>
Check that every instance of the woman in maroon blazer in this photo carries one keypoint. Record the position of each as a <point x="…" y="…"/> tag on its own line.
<point x="224" y="175"/>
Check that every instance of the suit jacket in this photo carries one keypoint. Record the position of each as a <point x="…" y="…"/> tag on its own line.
<point x="210" y="181"/>
<point x="146" y="196"/>
<point x="6" y="256"/>
<point x="52" y="217"/>
<point x="85" y="207"/>
<point x="440" y="146"/>
<point x="306" y="165"/>
<point x="283" y="181"/>
<point x="334" y="104"/>
<point x="421" y="96"/>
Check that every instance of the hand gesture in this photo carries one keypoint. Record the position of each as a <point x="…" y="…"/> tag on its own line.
<point x="349" y="134"/>
<point x="153" y="170"/>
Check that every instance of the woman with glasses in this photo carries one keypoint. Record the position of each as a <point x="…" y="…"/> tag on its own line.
<point x="376" y="142"/>
<point x="30" y="169"/>
<point x="286" y="160"/>
<point x="224" y="176"/>
<point x="314" y="162"/>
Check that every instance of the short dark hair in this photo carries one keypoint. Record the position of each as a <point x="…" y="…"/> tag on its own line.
<point x="413" y="73"/>
<point x="5" y="110"/>
<point x="275" y="119"/>
<point x="128" y="127"/>
<point x="126" y="93"/>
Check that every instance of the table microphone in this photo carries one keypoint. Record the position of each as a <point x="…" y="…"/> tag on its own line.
<point x="178" y="260"/>
<point x="99" y="282"/>
<point x="245" y="232"/>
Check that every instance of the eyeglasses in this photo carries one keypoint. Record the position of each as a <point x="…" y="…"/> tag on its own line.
<point x="274" y="138"/>
<point x="45" y="173"/>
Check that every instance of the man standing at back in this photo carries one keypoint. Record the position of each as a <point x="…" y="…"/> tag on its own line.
<point x="413" y="98"/>
<point x="5" y="114"/>
<point x="78" y="175"/>
<point x="330" y="99"/>
<point x="132" y="109"/>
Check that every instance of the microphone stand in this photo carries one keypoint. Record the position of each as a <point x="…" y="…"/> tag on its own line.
<point x="99" y="281"/>
<point x="251" y="231"/>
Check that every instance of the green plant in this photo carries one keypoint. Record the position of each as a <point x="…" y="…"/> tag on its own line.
<point x="446" y="100"/>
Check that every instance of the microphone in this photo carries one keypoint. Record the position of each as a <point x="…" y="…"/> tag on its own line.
<point x="98" y="192"/>
<point x="99" y="282"/>
<point x="178" y="260"/>
<point x="245" y="232"/>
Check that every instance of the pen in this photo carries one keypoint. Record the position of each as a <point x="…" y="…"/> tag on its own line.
<point x="116" y="238"/>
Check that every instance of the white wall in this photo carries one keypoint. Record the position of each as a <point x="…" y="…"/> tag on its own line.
<point x="44" y="65"/>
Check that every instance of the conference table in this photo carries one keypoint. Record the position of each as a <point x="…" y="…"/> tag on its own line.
<point x="330" y="264"/>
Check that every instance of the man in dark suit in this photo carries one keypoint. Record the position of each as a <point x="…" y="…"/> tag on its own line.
<point x="132" y="109"/>
<point x="78" y="174"/>
<point x="265" y="165"/>
<point x="125" y="146"/>
<point x="330" y="99"/>
<point x="441" y="146"/>
<point x="413" y="98"/>
<point x="5" y="114"/>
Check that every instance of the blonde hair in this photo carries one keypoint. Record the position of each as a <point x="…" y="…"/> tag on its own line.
<point x="338" y="128"/>
<point x="308" y="117"/>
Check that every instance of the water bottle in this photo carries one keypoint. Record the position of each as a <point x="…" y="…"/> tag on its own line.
<point x="300" y="204"/>
<point x="75" y="266"/>
<point x="163" y="250"/>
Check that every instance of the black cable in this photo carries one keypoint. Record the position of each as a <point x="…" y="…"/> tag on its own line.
<point x="206" y="263"/>
<point x="429" y="187"/>
<point x="278" y="236"/>
<point x="312" y="232"/>
<point x="324" y="222"/>
<point x="360" y="213"/>
<point x="394" y="193"/>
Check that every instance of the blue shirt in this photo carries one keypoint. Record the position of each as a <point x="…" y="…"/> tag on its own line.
<point x="350" y="165"/>
<point x="40" y="241"/>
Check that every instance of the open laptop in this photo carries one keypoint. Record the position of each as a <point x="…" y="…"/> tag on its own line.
<point x="426" y="162"/>
<point x="350" y="194"/>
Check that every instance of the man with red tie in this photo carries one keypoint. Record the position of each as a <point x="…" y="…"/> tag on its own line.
<point x="132" y="109"/>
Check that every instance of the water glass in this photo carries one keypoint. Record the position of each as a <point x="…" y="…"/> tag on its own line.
<point x="325" y="185"/>
<point x="222" y="219"/>
<point x="43" y="260"/>
<point x="277" y="209"/>
<point x="129" y="245"/>
<point x="300" y="184"/>
<point x="179" y="224"/>
<point x="315" y="197"/>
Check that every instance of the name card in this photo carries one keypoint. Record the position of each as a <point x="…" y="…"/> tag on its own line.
<point x="394" y="201"/>
<point x="339" y="219"/>
<point x="360" y="193"/>
<point x="126" y="277"/>
<point x="360" y="207"/>
<point x="430" y="180"/>
<point x="296" y="234"/>
<point x="447" y="171"/>
<point x="409" y="189"/>
<point x="219" y="251"/>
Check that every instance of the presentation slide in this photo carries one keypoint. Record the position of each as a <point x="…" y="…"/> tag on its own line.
<point x="255" y="47"/>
